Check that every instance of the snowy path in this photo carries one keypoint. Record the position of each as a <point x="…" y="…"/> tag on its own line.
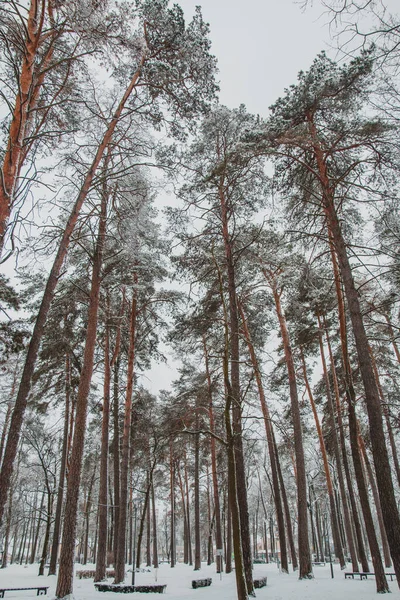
<point x="178" y="580"/>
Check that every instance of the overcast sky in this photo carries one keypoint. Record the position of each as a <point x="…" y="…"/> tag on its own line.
<point x="261" y="45"/>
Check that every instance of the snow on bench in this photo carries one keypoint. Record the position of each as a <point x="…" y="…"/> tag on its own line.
<point x="196" y="583"/>
<point x="128" y="589"/>
<point x="260" y="582"/>
<point x="88" y="574"/>
<point x="41" y="591"/>
<point x="363" y="575"/>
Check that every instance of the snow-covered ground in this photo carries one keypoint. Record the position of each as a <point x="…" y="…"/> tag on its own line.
<point x="178" y="580"/>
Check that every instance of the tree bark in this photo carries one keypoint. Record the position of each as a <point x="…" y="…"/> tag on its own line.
<point x="217" y="508"/>
<point x="123" y="498"/>
<point x="271" y="449"/>
<point x="103" y="481"/>
<point x="374" y="410"/>
<point x="61" y="481"/>
<point x="331" y="410"/>
<point x="235" y="390"/>
<point x="305" y="570"/>
<point x="66" y="570"/>
<point x="38" y="330"/>
<point x="334" y="518"/>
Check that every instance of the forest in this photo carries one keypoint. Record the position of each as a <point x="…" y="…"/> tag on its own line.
<point x="271" y="278"/>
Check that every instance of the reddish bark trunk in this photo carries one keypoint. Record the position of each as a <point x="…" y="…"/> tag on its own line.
<point x="101" y="557"/>
<point x="377" y="435"/>
<point x="66" y="571"/>
<point x="123" y="503"/>
<point x="329" y="484"/>
<point x="217" y="508"/>
<point x="38" y="330"/>
<point x="271" y="449"/>
<point x="305" y="570"/>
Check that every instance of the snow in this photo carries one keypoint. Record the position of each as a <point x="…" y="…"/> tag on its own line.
<point x="178" y="580"/>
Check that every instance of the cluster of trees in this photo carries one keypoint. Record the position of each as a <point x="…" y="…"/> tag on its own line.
<point x="285" y="244"/>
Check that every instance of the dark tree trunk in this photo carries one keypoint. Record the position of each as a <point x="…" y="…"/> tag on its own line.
<point x="271" y="449"/>
<point x="351" y="393"/>
<point x="236" y="401"/>
<point x="116" y="457"/>
<point x="153" y="508"/>
<point x="377" y="435"/>
<point x="172" y="505"/>
<point x="197" y="541"/>
<point x="334" y="436"/>
<point x="143" y="520"/>
<point x="148" y="528"/>
<point x="123" y="497"/>
<point x="288" y="518"/>
<point x="331" y="494"/>
<point x="228" y="553"/>
<point x="38" y="330"/>
<point x="101" y="558"/>
<point x="43" y="558"/>
<point x="61" y="481"/>
<point x="66" y="570"/>
<point x="6" y="540"/>
<point x="217" y="508"/>
<point x="371" y="477"/>
<point x="380" y="579"/>
<point x="39" y="523"/>
<point x="305" y="570"/>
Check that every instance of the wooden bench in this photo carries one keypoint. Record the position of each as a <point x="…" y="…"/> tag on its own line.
<point x="196" y="583"/>
<point x="41" y="591"/>
<point x="319" y="564"/>
<point x="127" y="589"/>
<point x="360" y="574"/>
<point x="259" y="583"/>
<point x="88" y="574"/>
<point x="363" y="575"/>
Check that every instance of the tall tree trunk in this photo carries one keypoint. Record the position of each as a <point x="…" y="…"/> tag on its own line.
<point x="172" y="504"/>
<point x="331" y="495"/>
<point x="148" y="527"/>
<point x="38" y="526"/>
<point x="47" y="532"/>
<point x="380" y="579"/>
<point x="374" y="410"/>
<point x="66" y="570"/>
<point x="154" y="519"/>
<point x="356" y="520"/>
<point x="189" y="529"/>
<point x="271" y="449"/>
<point x="38" y="330"/>
<point x="103" y="481"/>
<point x="288" y="518"/>
<point x="305" y="570"/>
<point x="217" y="508"/>
<point x="385" y="409"/>
<point x="371" y="477"/>
<point x="335" y="441"/>
<point x="61" y="480"/>
<point x="185" y="518"/>
<point x="197" y="542"/>
<point x="116" y="458"/>
<point x="123" y="498"/>
<point x="143" y="519"/>
<point x="6" y="540"/>
<point x="228" y="520"/>
<point x="235" y="391"/>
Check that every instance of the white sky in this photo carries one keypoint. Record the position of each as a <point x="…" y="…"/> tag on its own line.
<point x="260" y="45"/>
